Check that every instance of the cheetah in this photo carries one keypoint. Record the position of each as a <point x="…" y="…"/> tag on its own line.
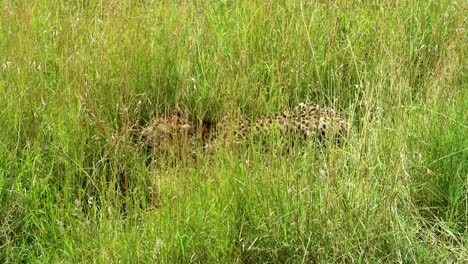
<point x="306" y="121"/>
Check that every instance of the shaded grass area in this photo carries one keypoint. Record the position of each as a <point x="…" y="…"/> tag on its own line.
<point x="77" y="77"/>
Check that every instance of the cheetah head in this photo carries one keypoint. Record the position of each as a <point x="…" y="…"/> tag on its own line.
<point x="164" y="131"/>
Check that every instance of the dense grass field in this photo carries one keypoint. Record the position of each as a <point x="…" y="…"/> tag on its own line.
<point x="77" y="78"/>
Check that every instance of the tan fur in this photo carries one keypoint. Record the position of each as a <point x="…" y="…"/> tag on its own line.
<point x="307" y="121"/>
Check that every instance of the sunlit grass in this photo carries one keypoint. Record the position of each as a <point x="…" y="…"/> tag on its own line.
<point x="76" y="79"/>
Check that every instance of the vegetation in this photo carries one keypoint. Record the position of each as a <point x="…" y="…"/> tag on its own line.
<point x="77" y="78"/>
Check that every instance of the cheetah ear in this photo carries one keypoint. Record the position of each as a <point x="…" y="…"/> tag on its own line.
<point x="186" y="127"/>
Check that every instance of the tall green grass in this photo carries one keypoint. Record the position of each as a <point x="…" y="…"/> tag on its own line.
<point x="77" y="77"/>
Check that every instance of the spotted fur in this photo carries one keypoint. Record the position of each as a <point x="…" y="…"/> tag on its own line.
<point x="305" y="121"/>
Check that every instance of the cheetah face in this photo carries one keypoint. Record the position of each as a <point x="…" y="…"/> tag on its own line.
<point x="166" y="131"/>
